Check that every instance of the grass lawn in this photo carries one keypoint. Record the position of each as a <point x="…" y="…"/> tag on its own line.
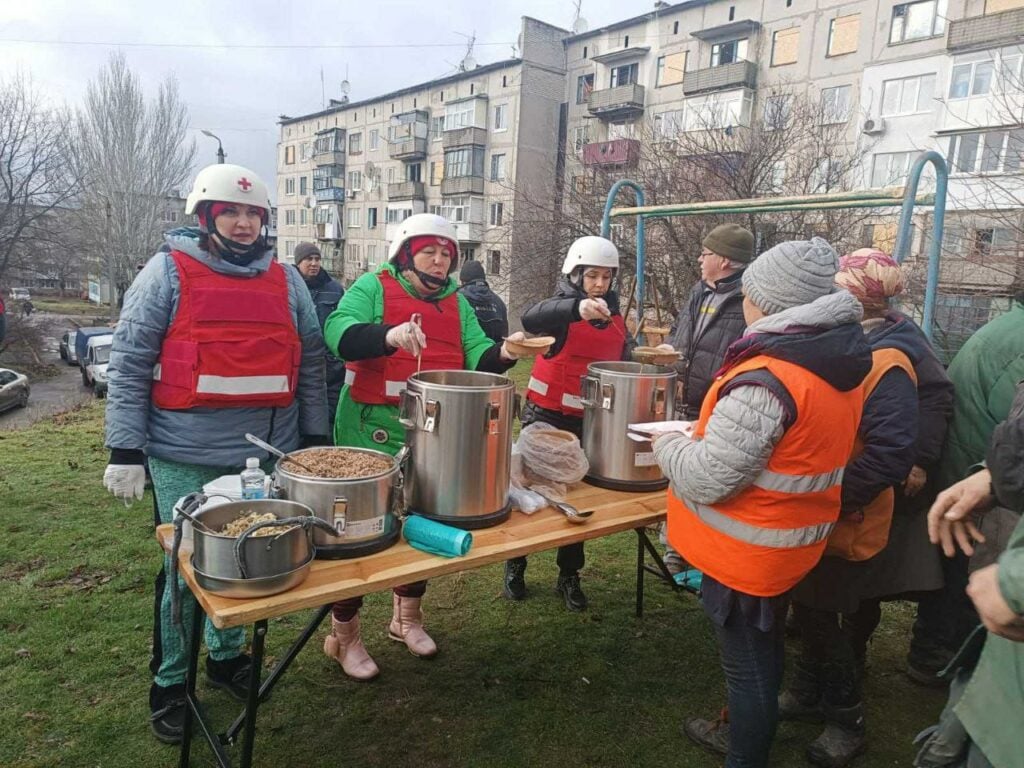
<point x="516" y="684"/>
<point x="68" y="306"/>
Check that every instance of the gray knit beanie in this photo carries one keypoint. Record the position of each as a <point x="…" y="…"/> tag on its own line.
<point x="790" y="274"/>
<point x="304" y="251"/>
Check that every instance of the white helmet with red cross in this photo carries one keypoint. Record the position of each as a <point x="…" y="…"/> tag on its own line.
<point x="228" y="183"/>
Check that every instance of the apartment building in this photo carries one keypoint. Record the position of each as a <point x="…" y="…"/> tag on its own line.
<point x="470" y="147"/>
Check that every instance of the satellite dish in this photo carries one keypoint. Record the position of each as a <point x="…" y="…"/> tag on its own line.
<point x="345" y="87"/>
<point x="580" y="26"/>
<point x="371" y="168"/>
<point x="310" y="202"/>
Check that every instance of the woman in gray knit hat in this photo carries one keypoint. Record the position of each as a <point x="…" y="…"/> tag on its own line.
<point x="755" y="492"/>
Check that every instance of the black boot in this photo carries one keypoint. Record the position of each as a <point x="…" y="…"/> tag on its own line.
<point x="167" y="712"/>
<point x="568" y="587"/>
<point x="231" y="675"/>
<point x="802" y="699"/>
<point x="515" y="578"/>
<point x="843" y="738"/>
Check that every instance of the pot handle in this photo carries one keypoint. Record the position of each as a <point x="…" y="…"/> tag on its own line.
<point x="404" y="418"/>
<point x="339" y="513"/>
<point x="585" y="388"/>
<point x="303" y="522"/>
<point x="493" y="418"/>
<point x="658" y="401"/>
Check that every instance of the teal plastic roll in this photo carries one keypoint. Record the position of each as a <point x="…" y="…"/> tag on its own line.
<point x="436" y="538"/>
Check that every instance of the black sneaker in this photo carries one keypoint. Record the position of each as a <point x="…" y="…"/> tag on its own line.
<point x="712" y="735"/>
<point x="515" y="579"/>
<point x="231" y="675"/>
<point x="167" y="712"/>
<point x="569" y="588"/>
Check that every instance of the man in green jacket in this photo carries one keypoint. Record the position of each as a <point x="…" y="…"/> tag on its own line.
<point x="984" y="373"/>
<point x="390" y="324"/>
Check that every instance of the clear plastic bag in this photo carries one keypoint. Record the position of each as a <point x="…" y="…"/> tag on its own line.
<point x="545" y="460"/>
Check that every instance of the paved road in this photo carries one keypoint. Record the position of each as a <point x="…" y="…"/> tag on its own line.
<point x="54" y="395"/>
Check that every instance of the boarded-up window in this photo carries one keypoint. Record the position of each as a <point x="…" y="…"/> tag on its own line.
<point x="785" y="44"/>
<point x="843" y="33"/>
<point x="436" y="173"/>
<point x="289" y="155"/>
<point x="996" y="6"/>
<point x="671" y="68"/>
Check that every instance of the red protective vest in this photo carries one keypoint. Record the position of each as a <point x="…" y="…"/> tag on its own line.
<point x="232" y="343"/>
<point x="765" y="539"/>
<point x="555" y="381"/>
<point x="380" y="380"/>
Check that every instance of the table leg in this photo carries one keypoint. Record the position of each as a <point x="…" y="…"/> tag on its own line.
<point x="259" y="635"/>
<point x="190" y="683"/>
<point x="640" y="572"/>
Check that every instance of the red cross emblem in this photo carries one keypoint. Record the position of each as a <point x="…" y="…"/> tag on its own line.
<point x="244" y="184"/>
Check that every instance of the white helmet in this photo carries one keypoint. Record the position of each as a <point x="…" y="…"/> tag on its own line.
<point x="591" y="251"/>
<point x="229" y="184"/>
<point x="424" y="225"/>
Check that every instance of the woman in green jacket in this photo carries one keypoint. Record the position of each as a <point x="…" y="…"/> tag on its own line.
<point x="406" y="316"/>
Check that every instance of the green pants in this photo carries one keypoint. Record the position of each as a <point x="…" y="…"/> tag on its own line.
<point x="171" y="481"/>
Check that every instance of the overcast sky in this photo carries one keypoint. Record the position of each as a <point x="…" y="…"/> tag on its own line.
<point x="234" y="84"/>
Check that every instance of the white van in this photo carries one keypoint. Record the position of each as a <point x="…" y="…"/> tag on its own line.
<point x="97" y="356"/>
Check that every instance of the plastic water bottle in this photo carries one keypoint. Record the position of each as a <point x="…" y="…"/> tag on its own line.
<point x="253" y="480"/>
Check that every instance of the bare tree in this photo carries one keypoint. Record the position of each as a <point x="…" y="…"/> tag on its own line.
<point x="35" y="179"/>
<point x="133" y="155"/>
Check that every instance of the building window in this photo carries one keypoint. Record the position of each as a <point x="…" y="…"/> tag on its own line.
<point x="497" y="214"/>
<point x="777" y="177"/>
<point x="501" y="117"/>
<point x="461" y="115"/>
<point x="835" y="104"/>
<point x="323" y="214"/>
<point x="916" y="21"/>
<point x="504" y="81"/>
<point x="304" y="151"/>
<point x="907" y="95"/>
<point x="414" y="172"/>
<point x="776" y="112"/>
<point x="843" y="35"/>
<point x="494" y="262"/>
<point x="675" y="28"/>
<point x="890" y="169"/>
<point x="398" y="215"/>
<point x="331" y="141"/>
<point x="371" y="218"/>
<point x="434" y="210"/>
<point x="289" y="248"/>
<point x="303" y="185"/>
<point x="355" y="181"/>
<point x="302" y="216"/>
<point x="459" y="209"/>
<point x="584" y="85"/>
<point x="584" y="51"/>
<point x="497" y="167"/>
<point x="670" y="69"/>
<point x="627" y="74"/>
<point x="289" y="217"/>
<point x="374" y="139"/>
<point x="972" y="79"/>
<point x="355" y="143"/>
<point x="355" y="216"/>
<point x="580" y="137"/>
<point x="718" y="111"/>
<point x="389" y="175"/>
<point x="289" y="186"/>
<point x="289" y="155"/>
<point x="785" y="46"/>
<point x="170" y="216"/>
<point x="668" y="124"/>
<point x="986" y="152"/>
<point x="436" y="173"/>
<point x="728" y="52"/>
<point x="437" y="127"/>
<point x="468" y="161"/>
<point x="625" y="43"/>
<point x="371" y="254"/>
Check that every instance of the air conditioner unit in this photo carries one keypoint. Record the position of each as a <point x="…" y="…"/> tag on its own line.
<point x="873" y="125"/>
<point x="352" y="194"/>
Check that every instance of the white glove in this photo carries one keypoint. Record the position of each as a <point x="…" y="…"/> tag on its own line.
<point x="125" y="481"/>
<point x="408" y="336"/>
<point x="594" y="309"/>
<point x="508" y="354"/>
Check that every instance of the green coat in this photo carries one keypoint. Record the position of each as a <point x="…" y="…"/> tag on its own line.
<point x="992" y="707"/>
<point x="356" y="424"/>
<point x="984" y="373"/>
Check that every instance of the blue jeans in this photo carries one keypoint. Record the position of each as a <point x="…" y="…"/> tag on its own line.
<point x="752" y="661"/>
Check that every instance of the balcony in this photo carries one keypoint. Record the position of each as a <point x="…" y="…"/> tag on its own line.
<point x="329" y="157"/>
<point x="406" y="190"/>
<point x="463" y="185"/>
<point x="465" y="137"/>
<point x="738" y="74"/>
<point x="621" y="102"/>
<point x="329" y="194"/>
<point x="622" y="152"/>
<point x="469" y="231"/>
<point x="408" y="149"/>
<point x="331" y="231"/>
<point x="1006" y="28"/>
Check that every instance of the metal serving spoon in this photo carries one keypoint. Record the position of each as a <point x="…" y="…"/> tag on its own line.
<point x="280" y="454"/>
<point x="572" y="514"/>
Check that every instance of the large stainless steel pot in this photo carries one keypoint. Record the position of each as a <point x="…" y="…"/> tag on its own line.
<point x="363" y="510"/>
<point x="615" y="395"/>
<point x="459" y="431"/>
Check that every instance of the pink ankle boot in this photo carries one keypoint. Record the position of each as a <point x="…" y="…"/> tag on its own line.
<point x="407" y="627"/>
<point x="345" y="645"/>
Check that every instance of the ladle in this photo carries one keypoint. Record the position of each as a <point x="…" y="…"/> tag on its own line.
<point x="572" y="514"/>
<point x="280" y="454"/>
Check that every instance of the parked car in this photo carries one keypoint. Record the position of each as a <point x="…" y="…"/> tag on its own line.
<point x="3" y="319"/>
<point x="94" y="369"/>
<point x="20" y="294"/>
<point x="67" y="348"/>
<point x="14" y="389"/>
<point x="82" y="337"/>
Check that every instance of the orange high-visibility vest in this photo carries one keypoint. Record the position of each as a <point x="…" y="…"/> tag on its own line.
<point x="764" y="539"/>
<point x="864" y="534"/>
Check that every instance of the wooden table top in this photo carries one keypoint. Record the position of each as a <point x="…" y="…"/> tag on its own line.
<point x="332" y="580"/>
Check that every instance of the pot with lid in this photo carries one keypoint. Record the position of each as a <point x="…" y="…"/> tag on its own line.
<point x="459" y="433"/>
<point x="359" y="495"/>
<point x="615" y="395"/>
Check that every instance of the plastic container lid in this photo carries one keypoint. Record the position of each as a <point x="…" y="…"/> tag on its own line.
<point x="252" y="463"/>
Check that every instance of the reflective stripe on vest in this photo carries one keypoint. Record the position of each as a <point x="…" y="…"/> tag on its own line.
<point x="555" y="381"/>
<point x="391" y="388"/>
<point x="768" y="536"/>
<point x="242" y="385"/>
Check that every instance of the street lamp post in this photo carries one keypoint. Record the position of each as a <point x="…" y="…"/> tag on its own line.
<point x="220" y="147"/>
